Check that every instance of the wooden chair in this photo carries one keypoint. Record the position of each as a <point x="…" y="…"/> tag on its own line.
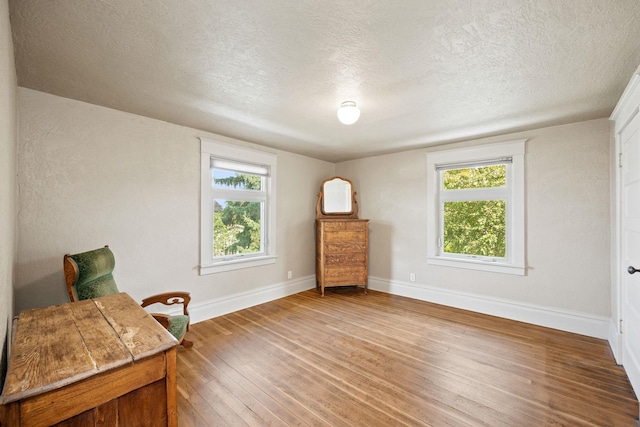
<point x="89" y="275"/>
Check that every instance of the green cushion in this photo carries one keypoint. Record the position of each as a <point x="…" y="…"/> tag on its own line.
<point x="95" y="277"/>
<point x="99" y="287"/>
<point x="178" y="325"/>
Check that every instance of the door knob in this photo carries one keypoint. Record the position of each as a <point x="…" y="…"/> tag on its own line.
<point x="632" y="269"/>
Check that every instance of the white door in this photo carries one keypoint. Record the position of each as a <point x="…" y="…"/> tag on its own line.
<point x="630" y="249"/>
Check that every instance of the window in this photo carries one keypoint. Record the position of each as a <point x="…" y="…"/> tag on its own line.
<point x="475" y="202"/>
<point x="237" y="207"/>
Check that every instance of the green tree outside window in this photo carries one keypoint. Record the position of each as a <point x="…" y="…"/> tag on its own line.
<point x="237" y="224"/>
<point x="475" y="227"/>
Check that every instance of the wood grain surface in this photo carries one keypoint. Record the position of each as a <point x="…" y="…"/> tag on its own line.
<point x="101" y="362"/>
<point x="60" y="345"/>
<point x="342" y="253"/>
<point x="350" y="359"/>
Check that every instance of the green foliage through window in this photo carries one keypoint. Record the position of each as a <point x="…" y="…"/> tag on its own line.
<point x="481" y="177"/>
<point x="237" y="223"/>
<point x="475" y="227"/>
<point x="224" y="179"/>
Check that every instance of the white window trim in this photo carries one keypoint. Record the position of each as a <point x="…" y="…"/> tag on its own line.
<point x="209" y="148"/>
<point x="514" y="262"/>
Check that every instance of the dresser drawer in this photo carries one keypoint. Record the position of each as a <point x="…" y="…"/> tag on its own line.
<point x="355" y="259"/>
<point x="345" y="236"/>
<point x="345" y="276"/>
<point x="345" y="226"/>
<point x="342" y="247"/>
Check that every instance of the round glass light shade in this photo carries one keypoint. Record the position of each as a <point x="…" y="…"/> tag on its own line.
<point x="348" y="113"/>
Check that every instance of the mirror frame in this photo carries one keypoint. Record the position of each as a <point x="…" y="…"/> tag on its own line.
<point x="321" y="213"/>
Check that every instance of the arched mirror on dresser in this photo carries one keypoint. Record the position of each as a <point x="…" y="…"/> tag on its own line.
<point x="342" y="239"/>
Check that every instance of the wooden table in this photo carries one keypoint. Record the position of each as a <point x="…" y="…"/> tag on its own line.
<point x="104" y="361"/>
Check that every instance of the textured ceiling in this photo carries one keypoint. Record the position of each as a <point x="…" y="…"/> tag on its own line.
<point x="274" y="72"/>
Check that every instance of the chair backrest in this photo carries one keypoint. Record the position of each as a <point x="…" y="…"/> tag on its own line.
<point x="89" y="274"/>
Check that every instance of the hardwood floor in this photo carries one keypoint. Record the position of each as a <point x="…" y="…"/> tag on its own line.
<point x="350" y="359"/>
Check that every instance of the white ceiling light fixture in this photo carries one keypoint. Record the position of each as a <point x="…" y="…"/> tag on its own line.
<point x="348" y="113"/>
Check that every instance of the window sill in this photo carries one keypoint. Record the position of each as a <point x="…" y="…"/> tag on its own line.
<point x="470" y="264"/>
<point x="236" y="264"/>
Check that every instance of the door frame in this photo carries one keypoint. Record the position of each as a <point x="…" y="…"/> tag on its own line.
<point x="627" y="108"/>
<point x="615" y="330"/>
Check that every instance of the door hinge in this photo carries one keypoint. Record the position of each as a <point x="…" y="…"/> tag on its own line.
<point x="620" y="325"/>
<point x="619" y="160"/>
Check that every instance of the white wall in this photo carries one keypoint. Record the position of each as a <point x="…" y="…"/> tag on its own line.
<point x="91" y="176"/>
<point x="567" y="217"/>
<point x="8" y="139"/>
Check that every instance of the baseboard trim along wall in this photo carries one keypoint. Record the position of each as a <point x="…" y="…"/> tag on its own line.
<point x="615" y="341"/>
<point x="203" y="310"/>
<point x="564" y="320"/>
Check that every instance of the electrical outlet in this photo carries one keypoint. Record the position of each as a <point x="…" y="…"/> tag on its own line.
<point x="289" y="274"/>
<point x="412" y="277"/>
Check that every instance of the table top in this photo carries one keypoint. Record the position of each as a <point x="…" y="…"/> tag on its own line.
<point x="59" y="345"/>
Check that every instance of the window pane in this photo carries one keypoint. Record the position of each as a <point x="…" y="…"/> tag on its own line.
<point x="475" y="228"/>
<point x="242" y="181"/>
<point x="481" y="177"/>
<point x="237" y="227"/>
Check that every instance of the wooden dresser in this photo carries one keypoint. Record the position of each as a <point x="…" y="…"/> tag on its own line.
<point x="94" y="362"/>
<point x="342" y="253"/>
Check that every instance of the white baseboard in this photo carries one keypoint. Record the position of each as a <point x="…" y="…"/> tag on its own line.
<point x="203" y="310"/>
<point x="550" y="317"/>
<point x="614" y="342"/>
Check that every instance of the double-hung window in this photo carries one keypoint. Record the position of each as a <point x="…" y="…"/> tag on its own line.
<point x="237" y="207"/>
<point x="475" y="201"/>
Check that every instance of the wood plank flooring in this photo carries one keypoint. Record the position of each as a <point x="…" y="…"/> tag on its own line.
<point x="350" y="359"/>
